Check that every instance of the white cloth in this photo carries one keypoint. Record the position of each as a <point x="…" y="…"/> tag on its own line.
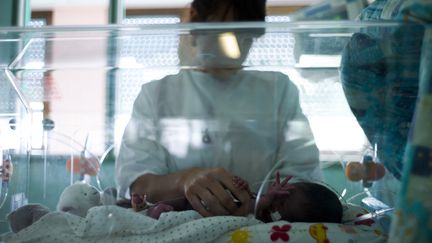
<point x="248" y="124"/>
<point x="115" y="224"/>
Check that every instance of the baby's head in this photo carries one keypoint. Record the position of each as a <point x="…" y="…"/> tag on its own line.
<point x="309" y="202"/>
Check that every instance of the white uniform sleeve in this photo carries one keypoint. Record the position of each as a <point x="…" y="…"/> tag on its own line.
<point x="298" y="154"/>
<point x="139" y="151"/>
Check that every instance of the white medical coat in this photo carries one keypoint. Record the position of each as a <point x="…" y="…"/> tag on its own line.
<point x="248" y="124"/>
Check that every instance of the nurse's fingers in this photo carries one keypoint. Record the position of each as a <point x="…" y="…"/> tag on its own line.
<point x="244" y="208"/>
<point x="241" y="195"/>
<point x="224" y="198"/>
<point x="198" y="206"/>
<point x="212" y="204"/>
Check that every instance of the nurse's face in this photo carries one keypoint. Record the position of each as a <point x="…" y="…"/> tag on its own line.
<point x="222" y="49"/>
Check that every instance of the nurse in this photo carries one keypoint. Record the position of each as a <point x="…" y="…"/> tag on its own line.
<point x="191" y="133"/>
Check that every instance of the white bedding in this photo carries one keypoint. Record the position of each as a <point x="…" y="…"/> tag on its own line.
<point x="115" y="224"/>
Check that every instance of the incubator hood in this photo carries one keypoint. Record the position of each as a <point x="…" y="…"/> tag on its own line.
<point x="67" y="94"/>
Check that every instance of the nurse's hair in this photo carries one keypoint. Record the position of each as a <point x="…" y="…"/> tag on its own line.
<point x="243" y="10"/>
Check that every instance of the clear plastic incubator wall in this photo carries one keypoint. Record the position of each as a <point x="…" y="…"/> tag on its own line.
<point x="255" y="98"/>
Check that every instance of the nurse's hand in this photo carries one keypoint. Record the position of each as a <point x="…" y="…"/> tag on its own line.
<point x="207" y="190"/>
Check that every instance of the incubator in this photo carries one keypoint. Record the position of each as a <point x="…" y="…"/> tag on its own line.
<point x="68" y="93"/>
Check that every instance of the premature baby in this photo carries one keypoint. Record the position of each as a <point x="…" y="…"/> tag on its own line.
<point x="293" y="202"/>
<point x="298" y="202"/>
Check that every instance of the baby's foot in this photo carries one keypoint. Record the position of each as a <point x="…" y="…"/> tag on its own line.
<point x="156" y="210"/>
<point x="240" y="183"/>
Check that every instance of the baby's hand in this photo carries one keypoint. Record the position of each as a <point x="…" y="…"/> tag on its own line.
<point x="266" y="202"/>
<point x="278" y="188"/>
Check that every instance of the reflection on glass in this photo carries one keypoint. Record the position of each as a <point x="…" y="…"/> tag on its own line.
<point x="229" y="45"/>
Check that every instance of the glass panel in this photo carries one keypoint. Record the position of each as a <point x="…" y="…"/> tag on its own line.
<point x="254" y="98"/>
<point x="14" y="134"/>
